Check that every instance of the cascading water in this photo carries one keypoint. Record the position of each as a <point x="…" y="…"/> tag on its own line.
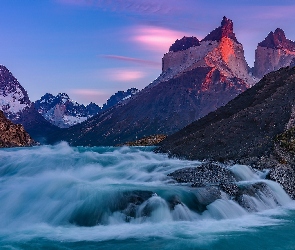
<point x="64" y="197"/>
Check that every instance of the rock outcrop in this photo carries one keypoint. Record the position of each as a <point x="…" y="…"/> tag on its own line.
<point x="13" y="135"/>
<point x="194" y="82"/>
<point x="273" y="53"/>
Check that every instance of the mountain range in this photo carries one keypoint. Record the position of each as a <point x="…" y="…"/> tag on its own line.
<point x="63" y="112"/>
<point x="198" y="76"/>
<point x="50" y="113"/>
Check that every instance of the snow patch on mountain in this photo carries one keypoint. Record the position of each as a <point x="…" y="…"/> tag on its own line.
<point x="13" y="97"/>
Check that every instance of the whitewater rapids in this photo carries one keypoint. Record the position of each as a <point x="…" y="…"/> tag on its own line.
<point x="75" y="197"/>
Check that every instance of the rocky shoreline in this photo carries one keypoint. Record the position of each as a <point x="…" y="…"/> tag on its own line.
<point x="213" y="180"/>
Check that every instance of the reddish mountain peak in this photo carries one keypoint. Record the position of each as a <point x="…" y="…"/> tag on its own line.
<point x="277" y="40"/>
<point x="225" y="30"/>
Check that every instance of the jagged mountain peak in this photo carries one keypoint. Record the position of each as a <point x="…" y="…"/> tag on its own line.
<point x="224" y="30"/>
<point x="277" y="40"/>
<point x="63" y="96"/>
<point x="13" y="97"/>
<point x="273" y="53"/>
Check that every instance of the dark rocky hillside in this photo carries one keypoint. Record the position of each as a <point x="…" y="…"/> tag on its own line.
<point x="245" y="129"/>
<point x="13" y="135"/>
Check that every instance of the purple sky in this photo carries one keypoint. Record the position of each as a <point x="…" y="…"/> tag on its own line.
<point x="90" y="49"/>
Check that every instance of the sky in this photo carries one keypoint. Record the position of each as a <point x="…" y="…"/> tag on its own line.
<point x="91" y="49"/>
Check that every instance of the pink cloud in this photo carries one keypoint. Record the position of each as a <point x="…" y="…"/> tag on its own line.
<point x="89" y="95"/>
<point x="124" y="75"/>
<point x="156" y="38"/>
<point x="133" y="60"/>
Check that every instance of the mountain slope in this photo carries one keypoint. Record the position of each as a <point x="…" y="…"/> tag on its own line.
<point x="243" y="129"/>
<point x="194" y="81"/>
<point x="18" y="108"/>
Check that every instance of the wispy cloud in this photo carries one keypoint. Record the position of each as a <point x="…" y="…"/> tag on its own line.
<point x="155" y="38"/>
<point x="123" y="74"/>
<point x="133" y="60"/>
<point x="89" y="95"/>
<point x="138" y="6"/>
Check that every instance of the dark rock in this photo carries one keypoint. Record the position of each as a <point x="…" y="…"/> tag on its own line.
<point x="206" y="195"/>
<point x="92" y="212"/>
<point x="184" y="43"/>
<point x="229" y="188"/>
<point x="285" y="176"/>
<point x="205" y="174"/>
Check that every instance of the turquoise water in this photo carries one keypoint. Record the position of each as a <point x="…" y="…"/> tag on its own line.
<point x="60" y="197"/>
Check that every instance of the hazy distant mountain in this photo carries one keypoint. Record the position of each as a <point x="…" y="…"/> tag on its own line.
<point x="197" y="78"/>
<point x="118" y="97"/>
<point x="273" y="53"/>
<point x="63" y="112"/>
<point x="16" y="105"/>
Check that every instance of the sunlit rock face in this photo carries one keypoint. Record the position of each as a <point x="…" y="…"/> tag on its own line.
<point x="273" y="53"/>
<point x="219" y="50"/>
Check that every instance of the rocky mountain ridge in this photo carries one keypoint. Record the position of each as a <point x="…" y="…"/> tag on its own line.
<point x="63" y="112"/>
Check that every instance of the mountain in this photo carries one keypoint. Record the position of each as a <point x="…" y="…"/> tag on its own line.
<point x="18" y="108"/>
<point x="119" y="97"/>
<point x="273" y="53"/>
<point x="197" y="78"/>
<point x="245" y="129"/>
<point x="63" y="112"/>
<point x="13" y="135"/>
